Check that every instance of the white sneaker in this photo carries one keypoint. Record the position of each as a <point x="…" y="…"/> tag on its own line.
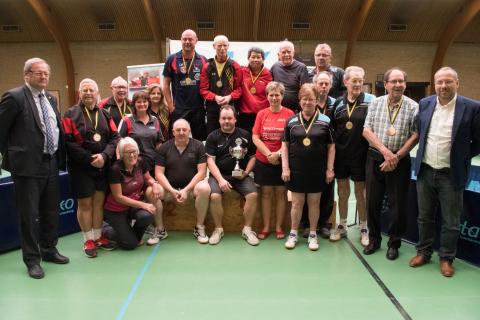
<point x="216" y="236"/>
<point x="312" y="242"/>
<point x="200" y="235"/>
<point x="251" y="237"/>
<point x="339" y="233"/>
<point x="364" y="240"/>
<point x="291" y="241"/>
<point x="156" y="236"/>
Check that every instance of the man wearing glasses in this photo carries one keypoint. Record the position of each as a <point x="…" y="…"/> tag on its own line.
<point x="117" y="105"/>
<point x="323" y="60"/>
<point x="33" y="148"/>
<point x="391" y="131"/>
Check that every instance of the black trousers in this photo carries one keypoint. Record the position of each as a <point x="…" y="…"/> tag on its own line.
<point x="246" y="121"/>
<point x="394" y="185"/>
<point x="326" y="207"/>
<point x="126" y="235"/>
<point x="37" y="201"/>
<point x="196" y="118"/>
<point x="213" y="117"/>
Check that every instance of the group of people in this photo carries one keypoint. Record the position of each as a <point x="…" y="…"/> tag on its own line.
<point x="279" y="130"/>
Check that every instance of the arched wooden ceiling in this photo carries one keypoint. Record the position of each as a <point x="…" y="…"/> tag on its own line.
<point x="240" y="20"/>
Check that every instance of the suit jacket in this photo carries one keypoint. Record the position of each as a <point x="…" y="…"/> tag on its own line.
<point x="465" y="136"/>
<point x="21" y="137"/>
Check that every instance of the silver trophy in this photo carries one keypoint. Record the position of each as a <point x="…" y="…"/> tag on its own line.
<point x="237" y="153"/>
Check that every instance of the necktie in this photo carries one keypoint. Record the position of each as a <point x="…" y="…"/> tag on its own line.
<point x="48" y="125"/>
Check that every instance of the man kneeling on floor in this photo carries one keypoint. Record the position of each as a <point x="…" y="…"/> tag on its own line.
<point x="181" y="169"/>
<point x="230" y="159"/>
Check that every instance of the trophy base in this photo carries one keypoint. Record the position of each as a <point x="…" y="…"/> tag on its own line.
<point x="237" y="173"/>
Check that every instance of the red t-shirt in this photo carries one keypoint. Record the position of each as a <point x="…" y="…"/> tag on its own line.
<point x="269" y="126"/>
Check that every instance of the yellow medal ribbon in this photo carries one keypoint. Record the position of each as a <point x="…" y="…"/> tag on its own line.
<point x="306" y="140"/>
<point x="395" y="113"/>
<point x="350" y="111"/>
<point x="191" y="63"/>
<point x="89" y="118"/>
<point x="124" y="107"/>
<point x="254" y="80"/>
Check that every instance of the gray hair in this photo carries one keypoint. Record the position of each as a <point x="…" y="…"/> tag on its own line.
<point x="123" y="142"/>
<point x="118" y="80"/>
<point x="447" y="69"/>
<point x="315" y="77"/>
<point x="351" y="69"/>
<point x="286" y="43"/>
<point x="88" y="80"/>
<point x="30" y="62"/>
<point x="181" y="120"/>
<point x="324" y="46"/>
<point x="220" y="38"/>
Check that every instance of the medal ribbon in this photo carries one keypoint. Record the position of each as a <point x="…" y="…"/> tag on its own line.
<point x="122" y="110"/>
<point x="258" y="76"/>
<point x="89" y="118"/>
<point x="350" y="111"/>
<point x="311" y="122"/>
<point x="185" y="63"/>
<point x="395" y="113"/>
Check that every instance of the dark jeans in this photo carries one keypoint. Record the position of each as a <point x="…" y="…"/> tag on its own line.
<point x="326" y="208"/>
<point x="435" y="187"/>
<point x="394" y="185"/>
<point x="196" y="118"/>
<point x="37" y="202"/>
<point x="124" y="234"/>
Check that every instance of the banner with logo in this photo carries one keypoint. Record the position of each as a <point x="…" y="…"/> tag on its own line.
<point x="237" y="51"/>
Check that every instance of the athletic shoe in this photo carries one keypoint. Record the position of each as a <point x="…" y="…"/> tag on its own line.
<point x="313" y="242"/>
<point x="200" y="235"/>
<point x="339" y="233"/>
<point x="157" y="236"/>
<point x="105" y="244"/>
<point x="90" y="249"/>
<point x="324" y="232"/>
<point x="216" y="236"/>
<point x="291" y="241"/>
<point x="364" y="237"/>
<point x="250" y="236"/>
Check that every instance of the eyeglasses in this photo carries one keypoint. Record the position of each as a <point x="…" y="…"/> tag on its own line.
<point x="39" y="73"/>
<point x="396" y="81"/>
<point x="130" y="153"/>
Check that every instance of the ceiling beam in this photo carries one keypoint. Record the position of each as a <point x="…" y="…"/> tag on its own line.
<point x="55" y="29"/>
<point x="357" y="26"/>
<point x="458" y="23"/>
<point x="256" y="18"/>
<point x="157" y="31"/>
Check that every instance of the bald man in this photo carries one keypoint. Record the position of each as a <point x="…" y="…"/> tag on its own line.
<point x="181" y="85"/>
<point x="220" y="83"/>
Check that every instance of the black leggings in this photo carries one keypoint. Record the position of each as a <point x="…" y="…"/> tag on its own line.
<point x="126" y="235"/>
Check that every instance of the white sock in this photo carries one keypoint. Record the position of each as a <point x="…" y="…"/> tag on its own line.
<point x="85" y="236"/>
<point x="245" y="228"/>
<point x="295" y="232"/>
<point x="343" y="222"/>
<point x="97" y="233"/>
<point x="313" y="232"/>
<point x="88" y="235"/>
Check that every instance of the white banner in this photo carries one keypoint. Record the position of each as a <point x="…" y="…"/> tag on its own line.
<point x="237" y="51"/>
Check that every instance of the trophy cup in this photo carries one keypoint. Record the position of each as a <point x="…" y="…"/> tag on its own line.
<point x="237" y="153"/>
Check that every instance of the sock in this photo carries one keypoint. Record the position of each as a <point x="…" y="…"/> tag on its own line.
<point x="363" y="225"/>
<point x="85" y="236"/>
<point x="343" y="222"/>
<point x="88" y="235"/>
<point x="245" y="228"/>
<point x="295" y="232"/>
<point x="313" y="232"/>
<point x="97" y="233"/>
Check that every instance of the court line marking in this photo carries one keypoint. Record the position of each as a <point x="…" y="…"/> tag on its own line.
<point x="137" y="283"/>
<point x="379" y="281"/>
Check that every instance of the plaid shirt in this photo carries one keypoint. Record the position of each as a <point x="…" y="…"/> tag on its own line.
<point x="405" y="124"/>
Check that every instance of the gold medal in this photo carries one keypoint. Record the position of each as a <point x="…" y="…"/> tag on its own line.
<point x="188" y="81"/>
<point x="97" y="137"/>
<point x="219" y="83"/>
<point x="307" y="141"/>
<point x="391" y="131"/>
<point x="183" y="69"/>
<point x="349" y="125"/>
<point x="253" y="90"/>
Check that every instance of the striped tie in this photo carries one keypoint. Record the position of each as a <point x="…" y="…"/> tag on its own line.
<point x="48" y="125"/>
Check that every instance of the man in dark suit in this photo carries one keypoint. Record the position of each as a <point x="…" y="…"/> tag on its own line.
<point x="449" y="136"/>
<point x="32" y="145"/>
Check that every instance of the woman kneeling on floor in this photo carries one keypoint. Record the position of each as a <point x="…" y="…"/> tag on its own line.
<point x="135" y="196"/>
